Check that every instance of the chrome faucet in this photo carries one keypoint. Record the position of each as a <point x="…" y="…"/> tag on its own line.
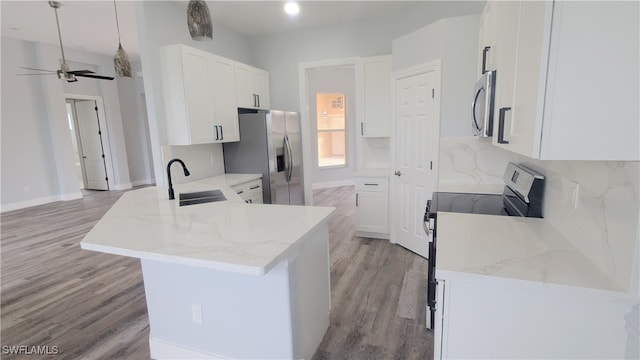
<point x="186" y="173"/>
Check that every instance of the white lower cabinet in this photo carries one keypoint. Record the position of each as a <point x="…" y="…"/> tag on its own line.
<point x="372" y="207"/>
<point x="498" y="318"/>
<point x="250" y="192"/>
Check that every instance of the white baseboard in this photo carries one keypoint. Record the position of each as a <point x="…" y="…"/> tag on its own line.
<point x="125" y="186"/>
<point x="164" y="350"/>
<point x="39" y="201"/>
<point x="143" y="182"/>
<point x="372" y="235"/>
<point x="330" y="184"/>
<point x="72" y="196"/>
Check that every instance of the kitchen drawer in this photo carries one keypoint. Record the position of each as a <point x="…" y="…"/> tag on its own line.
<point x="372" y="184"/>
<point x="251" y="190"/>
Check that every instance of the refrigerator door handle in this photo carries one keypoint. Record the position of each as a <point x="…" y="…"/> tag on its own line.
<point x="290" y="156"/>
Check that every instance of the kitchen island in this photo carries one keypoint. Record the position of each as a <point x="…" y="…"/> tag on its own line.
<point x="224" y="279"/>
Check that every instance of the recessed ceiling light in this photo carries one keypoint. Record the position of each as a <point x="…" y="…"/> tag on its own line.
<point x="291" y="8"/>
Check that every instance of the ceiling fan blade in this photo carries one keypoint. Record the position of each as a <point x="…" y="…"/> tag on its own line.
<point x="78" y="72"/>
<point x="35" y="74"/>
<point x="102" y="77"/>
<point x="28" y="68"/>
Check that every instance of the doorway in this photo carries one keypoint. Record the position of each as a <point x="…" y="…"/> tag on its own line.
<point x="332" y="104"/>
<point x="89" y="139"/>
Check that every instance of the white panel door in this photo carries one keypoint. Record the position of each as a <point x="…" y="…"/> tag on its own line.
<point x="415" y="134"/>
<point x="91" y="149"/>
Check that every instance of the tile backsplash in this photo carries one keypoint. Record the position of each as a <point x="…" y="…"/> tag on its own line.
<point x="604" y="226"/>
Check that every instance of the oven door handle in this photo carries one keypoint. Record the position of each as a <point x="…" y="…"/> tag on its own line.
<point x="426" y="225"/>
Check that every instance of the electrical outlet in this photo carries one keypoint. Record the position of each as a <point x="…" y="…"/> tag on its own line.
<point x="196" y="313"/>
<point x="575" y="190"/>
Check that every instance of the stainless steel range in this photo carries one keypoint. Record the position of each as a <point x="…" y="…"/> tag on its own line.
<point x="522" y="196"/>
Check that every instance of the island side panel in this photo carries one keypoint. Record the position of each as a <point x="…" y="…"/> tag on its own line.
<point x="210" y="313"/>
<point x="310" y="292"/>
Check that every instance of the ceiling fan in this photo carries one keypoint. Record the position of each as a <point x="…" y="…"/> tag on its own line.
<point x="64" y="72"/>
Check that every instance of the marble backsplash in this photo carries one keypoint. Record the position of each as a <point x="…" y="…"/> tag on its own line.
<point x="203" y="161"/>
<point x="604" y="226"/>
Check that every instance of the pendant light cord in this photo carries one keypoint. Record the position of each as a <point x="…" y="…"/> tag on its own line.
<point x="117" y="24"/>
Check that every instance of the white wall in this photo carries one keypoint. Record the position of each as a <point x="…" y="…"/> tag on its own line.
<point x="455" y="41"/>
<point x="162" y="23"/>
<point x="281" y="53"/>
<point x="28" y="163"/>
<point x="136" y="129"/>
<point x="333" y="80"/>
<point x="34" y="107"/>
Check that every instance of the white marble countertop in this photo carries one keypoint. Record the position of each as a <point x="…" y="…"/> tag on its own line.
<point x="372" y="172"/>
<point x="471" y="188"/>
<point x="513" y="247"/>
<point x="227" y="235"/>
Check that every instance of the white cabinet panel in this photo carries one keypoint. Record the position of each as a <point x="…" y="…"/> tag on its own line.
<point x="567" y="79"/>
<point x="197" y="103"/>
<point x="497" y="318"/>
<point x="250" y="192"/>
<point x="225" y="109"/>
<point x="376" y="121"/>
<point x="252" y="87"/>
<point x="372" y="207"/>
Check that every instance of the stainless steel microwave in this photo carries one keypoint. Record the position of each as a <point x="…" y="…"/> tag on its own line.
<point x="482" y="105"/>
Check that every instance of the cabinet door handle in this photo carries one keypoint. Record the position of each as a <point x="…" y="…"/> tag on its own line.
<point x="240" y="192"/>
<point x="501" y="139"/>
<point x="484" y="58"/>
<point x="370" y="184"/>
<point x="258" y="96"/>
<point x="217" y="134"/>
<point x="362" y="129"/>
<point x="254" y="187"/>
<point x="356" y="199"/>
<point x="221" y="133"/>
<point x="255" y="100"/>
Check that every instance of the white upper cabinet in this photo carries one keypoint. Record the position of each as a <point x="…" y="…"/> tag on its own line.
<point x="196" y="87"/>
<point x="376" y="121"/>
<point x="252" y="87"/>
<point x="567" y="79"/>
<point x="226" y="109"/>
<point x="486" y="57"/>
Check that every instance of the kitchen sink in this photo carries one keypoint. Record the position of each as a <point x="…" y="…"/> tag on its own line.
<point x="201" y="197"/>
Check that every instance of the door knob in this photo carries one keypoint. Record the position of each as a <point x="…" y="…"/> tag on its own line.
<point x="398" y="173"/>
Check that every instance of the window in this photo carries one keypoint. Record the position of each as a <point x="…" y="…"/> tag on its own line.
<point x="331" y="122"/>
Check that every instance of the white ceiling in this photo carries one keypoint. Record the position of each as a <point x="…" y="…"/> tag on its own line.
<point x="90" y="25"/>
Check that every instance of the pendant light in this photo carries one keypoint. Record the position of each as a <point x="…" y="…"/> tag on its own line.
<point x="199" y="20"/>
<point x="121" y="59"/>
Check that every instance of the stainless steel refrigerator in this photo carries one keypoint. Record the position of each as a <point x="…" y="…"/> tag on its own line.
<point x="270" y="144"/>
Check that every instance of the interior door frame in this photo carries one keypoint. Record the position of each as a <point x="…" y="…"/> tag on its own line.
<point x="305" y="128"/>
<point x="104" y="129"/>
<point x="436" y="67"/>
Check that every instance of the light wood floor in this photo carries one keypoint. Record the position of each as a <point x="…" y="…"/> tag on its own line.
<point x="92" y="305"/>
